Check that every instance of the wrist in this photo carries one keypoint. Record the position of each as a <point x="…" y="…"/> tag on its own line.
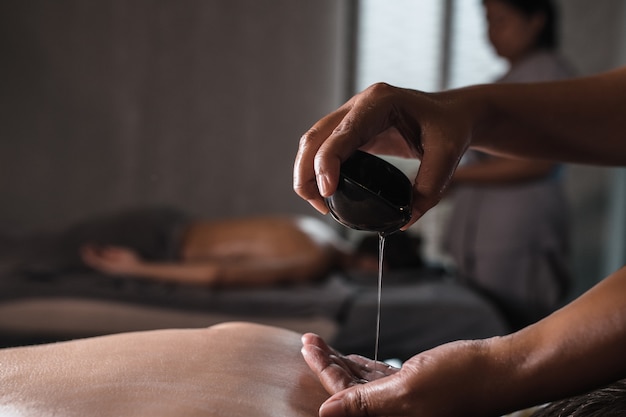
<point x="477" y="104"/>
<point x="511" y="363"/>
<point x="489" y="378"/>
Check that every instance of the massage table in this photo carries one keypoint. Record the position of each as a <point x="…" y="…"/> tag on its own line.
<point x="420" y="309"/>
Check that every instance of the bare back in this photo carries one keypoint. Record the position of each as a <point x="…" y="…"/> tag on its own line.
<point x="228" y="370"/>
<point x="256" y="236"/>
<point x="271" y="248"/>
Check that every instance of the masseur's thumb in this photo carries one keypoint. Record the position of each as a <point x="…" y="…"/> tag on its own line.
<point x="367" y="400"/>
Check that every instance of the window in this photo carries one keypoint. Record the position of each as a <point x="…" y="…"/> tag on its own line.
<point x="409" y="43"/>
<point x="429" y="45"/>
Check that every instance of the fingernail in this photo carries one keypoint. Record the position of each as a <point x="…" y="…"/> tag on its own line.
<point x="323" y="184"/>
<point x="332" y="407"/>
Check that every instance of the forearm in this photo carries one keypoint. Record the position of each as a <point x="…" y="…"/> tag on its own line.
<point x="498" y="171"/>
<point x="202" y="273"/>
<point x="579" y="120"/>
<point x="577" y="348"/>
<point x="235" y="273"/>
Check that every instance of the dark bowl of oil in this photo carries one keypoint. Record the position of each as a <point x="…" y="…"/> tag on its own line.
<point x="372" y="195"/>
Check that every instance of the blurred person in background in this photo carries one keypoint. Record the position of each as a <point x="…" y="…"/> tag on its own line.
<point x="508" y="228"/>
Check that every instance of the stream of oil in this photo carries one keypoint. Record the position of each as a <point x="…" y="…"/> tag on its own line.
<point x="381" y="251"/>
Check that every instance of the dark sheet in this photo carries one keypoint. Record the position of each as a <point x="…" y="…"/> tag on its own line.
<point x="325" y="298"/>
<point x="421" y="308"/>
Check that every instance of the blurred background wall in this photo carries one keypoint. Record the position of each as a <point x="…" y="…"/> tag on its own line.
<point x="594" y="40"/>
<point x="200" y="104"/>
<point x="197" y="104"/>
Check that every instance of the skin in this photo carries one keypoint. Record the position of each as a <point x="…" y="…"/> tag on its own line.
<point x="577" y="348"/>
<point x="546" y="121"/>
<point x="549" y="360"/>
<point x="512" y="33"/>
<point x="245" y="252"/>
<point x="229" y="370"/>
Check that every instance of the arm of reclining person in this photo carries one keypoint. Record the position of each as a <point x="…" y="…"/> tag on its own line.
<point x="251" y="271"/>
<point x="123" y="261"/>
<point x="228" y="370"/>
<point x="242" y="273"/>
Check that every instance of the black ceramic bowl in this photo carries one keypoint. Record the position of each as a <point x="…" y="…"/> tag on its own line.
<point x="372" y="195"/>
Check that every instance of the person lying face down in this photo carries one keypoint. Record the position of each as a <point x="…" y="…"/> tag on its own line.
<point x="227" y="370"/>
<point x="166" y="244"/>
<point x="256" y="252"/>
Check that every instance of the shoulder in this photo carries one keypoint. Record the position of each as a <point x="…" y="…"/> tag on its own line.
<point x="540" y="66"/>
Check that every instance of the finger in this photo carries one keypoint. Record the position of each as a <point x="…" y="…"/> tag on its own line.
<point x="369" y="369"/>
<point x="108" y="254"/>
<point x="332" y="375"/>
<point x="366" y="118"/>
<point x="368" y="114"/>
<point x="304" y="183"/>
<point x="313" y="340"/>
<point x="372" y="399"/>
<point x="304" y="178"/>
